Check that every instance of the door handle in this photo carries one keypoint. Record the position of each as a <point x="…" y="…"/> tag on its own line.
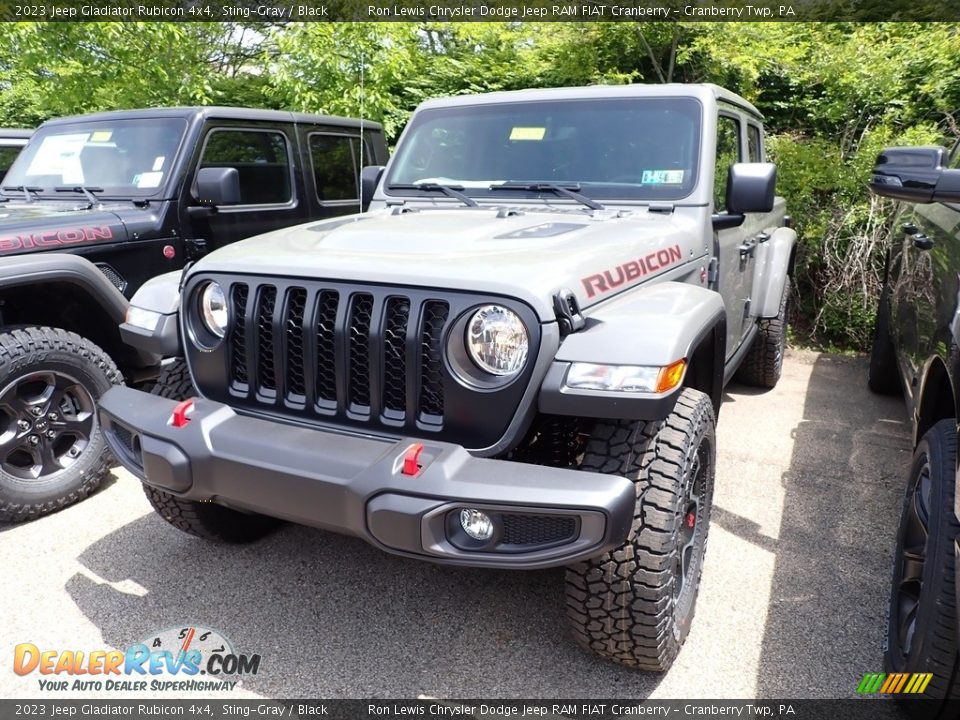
<point x="910" y="229"/>
<point x="922" y="242"/>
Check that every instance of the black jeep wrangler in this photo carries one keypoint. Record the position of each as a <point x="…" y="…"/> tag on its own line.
<point x="916" y="351"/>
<point x="95" y="206"/>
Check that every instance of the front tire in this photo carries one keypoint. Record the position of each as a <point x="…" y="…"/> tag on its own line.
<point x="922" y="624"/>
<point x="174" y="382"/>
<point x="635" y="604"/>
<point x="52" y="452"/>
<point x="209" y="521"/>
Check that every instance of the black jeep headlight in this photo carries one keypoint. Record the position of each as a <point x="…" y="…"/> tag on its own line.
<point x="213" y="309"/>
<point x="497" y="340"/>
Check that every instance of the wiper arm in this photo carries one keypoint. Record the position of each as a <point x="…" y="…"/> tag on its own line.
<point x="88" y="191"/>
<point x="454" y="191"/>
<point x="567" y="190"/>
<point x="25" y="189"/>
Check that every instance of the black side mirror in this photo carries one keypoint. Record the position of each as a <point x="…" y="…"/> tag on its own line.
<point x="751" y="188"/>
<point x="369" y="179"/>
<point x="217" y="186"/>
<point x="915" y="174"/>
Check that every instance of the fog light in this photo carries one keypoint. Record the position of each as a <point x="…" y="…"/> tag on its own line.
<point x="476" y="524"/>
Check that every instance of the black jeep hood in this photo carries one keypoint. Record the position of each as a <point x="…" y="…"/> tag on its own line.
<point x="28" y="227"/>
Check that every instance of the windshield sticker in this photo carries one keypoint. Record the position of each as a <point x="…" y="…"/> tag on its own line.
<point x="662" y="177"/>
<point x="54" y="152"/>
<point x="528" y="133"/>
<point x="158" y="163"/>
<point x="101" y="136"/>
<point x="628" y="272"/>
<point x="148" y="179"/>
<point x="72" y="170"/>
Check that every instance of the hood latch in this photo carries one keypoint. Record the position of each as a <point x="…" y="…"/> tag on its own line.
<point x="568" y="313"/>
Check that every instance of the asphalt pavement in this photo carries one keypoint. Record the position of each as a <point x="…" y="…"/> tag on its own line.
<point x="792" y="602"/>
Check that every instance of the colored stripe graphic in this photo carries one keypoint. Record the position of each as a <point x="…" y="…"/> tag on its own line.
<point x="894" y="683"/>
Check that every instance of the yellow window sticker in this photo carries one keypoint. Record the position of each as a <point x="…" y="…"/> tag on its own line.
<point x="528" y="133"/>
<point x="101" y="136"/>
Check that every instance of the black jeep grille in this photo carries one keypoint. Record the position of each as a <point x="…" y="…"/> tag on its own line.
<point x="361" y="356"/>
<point x="537" y="529"/>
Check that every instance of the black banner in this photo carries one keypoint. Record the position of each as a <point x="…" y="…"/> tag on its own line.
<point x="478" y="10"/>
<point x="864" y="709"/>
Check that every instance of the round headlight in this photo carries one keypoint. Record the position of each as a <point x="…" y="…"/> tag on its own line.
<point x="497" y="340"/>
<point x="213" y="309"/>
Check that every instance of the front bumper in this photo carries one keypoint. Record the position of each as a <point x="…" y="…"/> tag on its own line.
<point x="355" y="484"/>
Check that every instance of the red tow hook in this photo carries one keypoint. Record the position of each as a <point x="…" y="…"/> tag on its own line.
<point x="181" y="414"/>
<point x="411" y="459"/>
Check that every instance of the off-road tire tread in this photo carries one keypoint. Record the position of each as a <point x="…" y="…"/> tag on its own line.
<point x="209" y="521"/>
<point x="620" y="605"/>
<point x="763" y="363"/>
<point x="23" y="341"/>
<point x="174" y="382"/>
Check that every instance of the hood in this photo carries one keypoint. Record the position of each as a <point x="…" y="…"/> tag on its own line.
<point x="28" y="227"/>
<point x="526" y="255"/>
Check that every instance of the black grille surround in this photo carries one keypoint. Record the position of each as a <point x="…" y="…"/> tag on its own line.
<point x="354" y="356"/>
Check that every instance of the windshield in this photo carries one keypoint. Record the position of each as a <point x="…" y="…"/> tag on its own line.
<point x="116" y="158"/>
<point x="613" y="148"/>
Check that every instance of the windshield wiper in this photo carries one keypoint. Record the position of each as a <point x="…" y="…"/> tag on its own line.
<point x="25" y="189"/>
<point x="567" y="190"/>
<point x="454" y="191"/>
<point x="86" y="190"/>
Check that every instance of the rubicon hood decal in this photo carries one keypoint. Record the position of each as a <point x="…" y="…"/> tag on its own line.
<point x="608" y="280"/>
<point x="56" y="238"/>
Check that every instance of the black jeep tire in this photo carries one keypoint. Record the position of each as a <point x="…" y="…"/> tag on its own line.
<point x="208" y="520"/>
<point x="764" y="361"/>
<point x="883" y="377"/>
<point x="174" y="382"/>
<point x="634" y="605"/>
<point x="50" y="383"/>
<point x="922" y="619"/>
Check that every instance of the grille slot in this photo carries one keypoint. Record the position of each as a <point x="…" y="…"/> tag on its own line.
<point x="238" y="336"/>
<point x="361" y="311"/>
<point x="326" y="318"/>
<point x="537" y="529"/>
<point x="266" y="368"/>
<point x="293" y="330"/>
<point x="431" y="360"/>
<point x="395" y="357"/>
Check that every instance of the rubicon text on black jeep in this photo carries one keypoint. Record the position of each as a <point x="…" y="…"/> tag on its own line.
<point x="916" y="349"/>
<point x="130" y="195"/>
<point x="514" y="359"/>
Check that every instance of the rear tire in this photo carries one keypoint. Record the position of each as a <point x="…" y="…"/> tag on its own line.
<point x="52" y="451"/>
<point x="922" y="620"/>
<point x="763" y="364"/>
<point x="634" y="605"/>
<point x="208" y="520"/>
<point x="174" y="382"/>
<point x="883" y="376"/>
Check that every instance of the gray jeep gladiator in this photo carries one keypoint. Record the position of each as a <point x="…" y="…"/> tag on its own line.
<point x="513" y="359"/>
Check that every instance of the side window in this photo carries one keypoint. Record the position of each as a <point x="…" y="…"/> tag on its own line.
<point x="728" y="153"/>
<point x="334" y="160"/>
<point x="754" y="147"/>
<point x="261" y="159"/>
<point x="955" y="157"/>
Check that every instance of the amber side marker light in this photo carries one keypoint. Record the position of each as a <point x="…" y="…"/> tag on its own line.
<point x="671" y="376"/>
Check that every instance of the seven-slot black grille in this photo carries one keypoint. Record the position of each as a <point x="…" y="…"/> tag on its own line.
<point x="360" y="356"/>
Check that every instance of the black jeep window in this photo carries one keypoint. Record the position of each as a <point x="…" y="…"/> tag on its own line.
<point x="261" y="159"/>
<point x="754" y="148"/>
<point x="334" y="159"/>
<point x="7" y="156"/>
<point x="728" y="153"/>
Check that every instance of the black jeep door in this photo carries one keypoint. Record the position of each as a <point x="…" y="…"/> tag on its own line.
<point x="271" y="187"/>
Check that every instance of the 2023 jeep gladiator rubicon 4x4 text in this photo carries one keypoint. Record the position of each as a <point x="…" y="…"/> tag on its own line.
<point x="513" y="360"/>
<point x="916" y="350"/>
<point x="96" y="205"/>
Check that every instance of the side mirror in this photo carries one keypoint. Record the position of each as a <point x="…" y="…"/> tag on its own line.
<point x="369" y="179"/>
<point x="915" y="174"/>
<point x="751" y="188"/>
<point x="217" y="186"/>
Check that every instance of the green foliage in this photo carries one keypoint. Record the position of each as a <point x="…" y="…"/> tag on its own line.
<point x="833" y="94"/>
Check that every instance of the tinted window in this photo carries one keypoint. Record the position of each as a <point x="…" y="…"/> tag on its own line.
<point x="754" y="148"/>
<point x="7" y="156"/>
<point x="334" y="160"/>
<point x="260" y="158"/>
<point x="728" y="153"/>
<point x="124" y="158"/>
<point x="629" y="148"/>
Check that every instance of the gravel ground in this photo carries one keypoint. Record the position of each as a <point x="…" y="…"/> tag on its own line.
<point x="791" y="605"/>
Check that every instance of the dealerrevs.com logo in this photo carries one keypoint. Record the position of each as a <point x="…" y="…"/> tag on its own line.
<point x="189" y="657"/>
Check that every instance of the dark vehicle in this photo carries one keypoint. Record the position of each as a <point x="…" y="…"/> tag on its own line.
<point x="12" y="142"/>
<point x="916" y="351"/>
<point x="131" y="195"/>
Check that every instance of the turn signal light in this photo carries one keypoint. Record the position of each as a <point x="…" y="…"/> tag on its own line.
<point x="671" y="376"/>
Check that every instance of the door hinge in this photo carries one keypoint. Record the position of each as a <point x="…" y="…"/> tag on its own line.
<point x="713" y="271"/>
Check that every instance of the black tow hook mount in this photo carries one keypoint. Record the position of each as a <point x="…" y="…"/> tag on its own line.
<point x="568" y="313"/>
